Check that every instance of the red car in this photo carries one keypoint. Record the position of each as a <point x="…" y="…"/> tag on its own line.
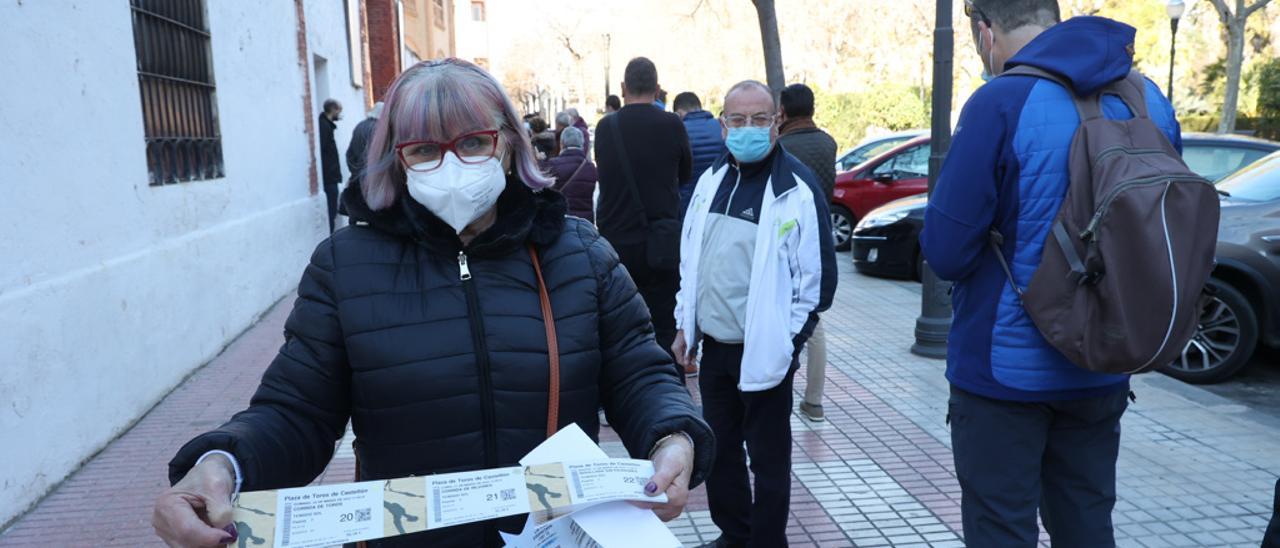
<point x="902" y="171"/>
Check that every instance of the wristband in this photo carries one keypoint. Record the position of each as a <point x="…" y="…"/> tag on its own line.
<point x="234" y="466"/>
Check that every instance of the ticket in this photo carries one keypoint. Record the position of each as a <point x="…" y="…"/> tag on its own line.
<point x="466" y="497"/>
<point x="328" y="514"/>
<point x="612" y="479"/>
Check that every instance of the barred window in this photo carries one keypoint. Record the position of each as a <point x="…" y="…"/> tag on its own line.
<point x="175" y="80"/>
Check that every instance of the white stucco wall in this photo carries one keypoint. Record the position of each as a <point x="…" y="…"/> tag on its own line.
<point x="112" y="291"/>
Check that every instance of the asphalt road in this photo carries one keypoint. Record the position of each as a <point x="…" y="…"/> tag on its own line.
<point x="1257" y="385"/>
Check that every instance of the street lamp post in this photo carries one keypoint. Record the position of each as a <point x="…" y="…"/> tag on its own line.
<point x="1175" y="8"/>
<point x="608" y="43"/>
<point x="935" y="306"/>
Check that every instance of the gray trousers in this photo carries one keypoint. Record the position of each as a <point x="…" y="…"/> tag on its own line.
<point x="815" y="371"/>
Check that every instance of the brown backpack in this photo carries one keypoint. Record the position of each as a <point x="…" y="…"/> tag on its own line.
<point x="1119" y="283"/>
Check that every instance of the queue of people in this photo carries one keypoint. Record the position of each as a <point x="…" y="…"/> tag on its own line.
<point x="668" y="245"/>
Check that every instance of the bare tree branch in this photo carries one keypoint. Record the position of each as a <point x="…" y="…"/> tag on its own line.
<point x="1255" y="7"/>
<point x="1224" y="12"/>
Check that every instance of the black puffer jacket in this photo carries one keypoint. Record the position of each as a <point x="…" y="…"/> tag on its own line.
<point x="438" y="374"/>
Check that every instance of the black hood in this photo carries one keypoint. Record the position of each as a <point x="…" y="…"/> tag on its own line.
<point x="523" y="216"/>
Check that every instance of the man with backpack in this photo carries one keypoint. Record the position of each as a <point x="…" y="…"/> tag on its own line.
<point x="1036" y="357"/>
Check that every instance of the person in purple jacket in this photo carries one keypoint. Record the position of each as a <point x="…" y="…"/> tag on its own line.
<point x="575" y="174"/>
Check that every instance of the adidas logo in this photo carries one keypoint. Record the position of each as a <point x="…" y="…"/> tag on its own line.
<point x="749" y="213"/>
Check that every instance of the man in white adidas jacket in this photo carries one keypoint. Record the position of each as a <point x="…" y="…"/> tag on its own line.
<point x="756" y="267"/>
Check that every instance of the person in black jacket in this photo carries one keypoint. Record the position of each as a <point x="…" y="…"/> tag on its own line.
<point x="421" y="324"/>
<point x="358" y="148"/>
<point x="329" y="163"/>
<point x="636" y="204"/>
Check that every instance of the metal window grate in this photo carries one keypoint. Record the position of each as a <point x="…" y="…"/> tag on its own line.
<point x="175" y="78"/>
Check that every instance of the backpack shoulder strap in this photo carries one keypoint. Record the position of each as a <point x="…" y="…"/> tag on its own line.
<point x="1088" y="108"/>
<point x="1132" y="89"/>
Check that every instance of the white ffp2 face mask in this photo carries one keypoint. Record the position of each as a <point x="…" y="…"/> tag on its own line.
<point x="456" y="192"/>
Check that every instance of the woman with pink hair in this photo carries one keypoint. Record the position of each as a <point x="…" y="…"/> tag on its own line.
<point x="458" y="321"/>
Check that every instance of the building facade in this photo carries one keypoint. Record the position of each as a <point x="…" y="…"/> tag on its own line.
<point x="471" y="21"/>
<point x="428" y="30"/>
<point x="161" y="167"/>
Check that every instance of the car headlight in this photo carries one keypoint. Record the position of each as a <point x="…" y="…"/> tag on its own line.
<point x="882" y="219"/>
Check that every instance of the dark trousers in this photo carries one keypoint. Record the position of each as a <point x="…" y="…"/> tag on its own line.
<point x="763" y="421"/>
<point x="1013" y="458"/>
<point x="331" y="198"/>
<point x="658" y="289"/>
<point x="1271" y="539"/>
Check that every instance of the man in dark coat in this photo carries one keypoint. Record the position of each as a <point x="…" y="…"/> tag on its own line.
<point x="329" y="164"/>
<point x="656" y="148"/>
<point x="705" y="141"/>
<point x="575" y="174"/>
<point x="358" y="148"/>
<point x="817" y="151"/>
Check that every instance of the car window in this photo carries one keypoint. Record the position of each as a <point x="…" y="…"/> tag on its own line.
<point x="908" y="164"/>
<point x="868" y="151"/>
<point x="1214" y="162"/>
<point x="1259" y="182"/>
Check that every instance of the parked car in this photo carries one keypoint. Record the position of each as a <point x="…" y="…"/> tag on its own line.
<point x="886" y="240"/>
<point x="874" y="146"/>
<point x="1241" y="305"/>
<point x="1215" y="156"/>
<point x="1212" y="156"/>
<point x="902" y="171"/>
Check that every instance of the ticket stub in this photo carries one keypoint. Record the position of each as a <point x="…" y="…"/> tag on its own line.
<point x="326" y="515"/>
<point x="467" y="497"/>
<point x="613" y="479"/>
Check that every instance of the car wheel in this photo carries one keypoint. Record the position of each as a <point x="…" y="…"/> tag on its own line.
<point x="842" y="223"/>
<point x="918" y="274"/>
<point x="1225" y="338"/>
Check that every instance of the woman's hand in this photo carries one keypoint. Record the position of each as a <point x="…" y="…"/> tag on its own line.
<point x="672" y="466"/>
<point x="196" y="512"/>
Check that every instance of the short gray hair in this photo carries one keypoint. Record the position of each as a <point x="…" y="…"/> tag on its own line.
<point x="565" y="119"/>
<point x="571" y="137"/>
<point x="1012" y="15"/>
<point x="751" y="84"/>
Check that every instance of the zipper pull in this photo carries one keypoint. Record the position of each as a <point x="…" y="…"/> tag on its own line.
<point x="463" y="272"/>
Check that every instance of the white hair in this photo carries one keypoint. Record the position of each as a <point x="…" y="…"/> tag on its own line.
<point x="565" y="119"/>
<point x="571" y="137"/>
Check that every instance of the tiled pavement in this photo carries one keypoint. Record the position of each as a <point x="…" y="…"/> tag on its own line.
<point x="1195" y="469"/>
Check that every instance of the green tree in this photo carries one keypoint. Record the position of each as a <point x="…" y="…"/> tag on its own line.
<point x="1267" y="77"/>
<point x="1234" y="23"/>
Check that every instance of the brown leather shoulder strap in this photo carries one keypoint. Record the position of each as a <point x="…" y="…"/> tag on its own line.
<point x="553" y="347"/>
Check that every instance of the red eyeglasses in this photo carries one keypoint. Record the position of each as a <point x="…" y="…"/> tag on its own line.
<point x="471" y="148"/>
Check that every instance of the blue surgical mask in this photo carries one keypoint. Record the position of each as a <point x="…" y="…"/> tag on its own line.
<point x="749" y="144"/>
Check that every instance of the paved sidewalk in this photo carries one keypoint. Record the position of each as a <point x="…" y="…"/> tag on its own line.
<point x="1196" y="469"/>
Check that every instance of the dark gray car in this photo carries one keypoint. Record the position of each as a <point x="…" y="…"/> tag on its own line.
<point x="1241" y="306"/>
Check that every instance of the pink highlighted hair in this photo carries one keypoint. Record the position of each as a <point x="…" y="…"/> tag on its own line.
<point x="439" y="100"/>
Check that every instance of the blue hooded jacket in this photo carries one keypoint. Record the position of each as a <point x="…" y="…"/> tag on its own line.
<point x="707" y="146"/>
<point x="1007" y="168"/>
